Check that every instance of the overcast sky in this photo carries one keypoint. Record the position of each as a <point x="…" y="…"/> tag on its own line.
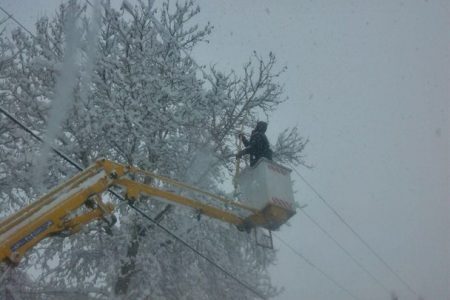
<point x="368" y="84"/>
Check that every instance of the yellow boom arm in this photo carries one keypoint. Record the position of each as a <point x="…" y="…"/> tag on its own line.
<point x="78" y="201"/>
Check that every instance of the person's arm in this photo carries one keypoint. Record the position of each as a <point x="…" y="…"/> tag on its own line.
<point x="244" y="140"/>
<point x="242" y="153"/>
<point x="252" y="145"/>
<point x="249" y="146"/>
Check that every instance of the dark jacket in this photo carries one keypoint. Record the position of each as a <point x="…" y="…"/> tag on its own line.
<point x="258" y="146"/>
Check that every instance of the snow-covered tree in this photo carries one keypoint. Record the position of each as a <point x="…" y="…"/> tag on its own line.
<point x="137" y="98"/>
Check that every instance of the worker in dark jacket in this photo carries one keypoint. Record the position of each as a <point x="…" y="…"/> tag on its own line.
<point x="258" y="146"/>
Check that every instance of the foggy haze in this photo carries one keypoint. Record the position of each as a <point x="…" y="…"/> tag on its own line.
<point x="368" y="84"/>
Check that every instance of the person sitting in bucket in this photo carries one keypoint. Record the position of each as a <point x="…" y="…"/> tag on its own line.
<point x="258" y="146"/>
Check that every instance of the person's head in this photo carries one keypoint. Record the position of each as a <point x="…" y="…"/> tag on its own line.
<point x="261" y="126"/>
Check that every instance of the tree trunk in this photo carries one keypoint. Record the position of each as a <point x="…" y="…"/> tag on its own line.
<point x="128" y="267"/>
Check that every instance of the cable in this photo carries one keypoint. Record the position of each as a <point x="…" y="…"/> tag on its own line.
<point x="5" y="20"/>
<point x="70" y="161"/>
<point x="316" y="267"/>
<point x="197" y="252"/>
<point x="358" y="236"/>
<point x="345" y="251"/>
<point x="39" y="139"/>
<point x="17" y="22"/>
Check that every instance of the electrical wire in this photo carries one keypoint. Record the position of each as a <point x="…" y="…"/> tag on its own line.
<point x="21" y="125"/>
<point x="345" y="251"/>
<point x="309" y="262"/>
<point x="10" y="16"/>
<point x="197" y="252"/>
<point x="357" y="235"/>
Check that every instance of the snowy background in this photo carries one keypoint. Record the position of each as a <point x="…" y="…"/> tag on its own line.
<point x="368" y="83"/>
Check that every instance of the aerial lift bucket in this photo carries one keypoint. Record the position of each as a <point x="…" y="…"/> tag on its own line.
<point x="267" y="188"/>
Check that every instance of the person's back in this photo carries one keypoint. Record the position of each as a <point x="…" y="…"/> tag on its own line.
<point x="258" y="146"/>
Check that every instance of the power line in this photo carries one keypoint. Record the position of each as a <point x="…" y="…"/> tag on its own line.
<point x="198" y="252"/>
<point x="21" y="125"/>
<point x="17" y="22"/>
<point x="309" y="262"/>
<point x="345" y="251"/>
<point x="358" y="236"/>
